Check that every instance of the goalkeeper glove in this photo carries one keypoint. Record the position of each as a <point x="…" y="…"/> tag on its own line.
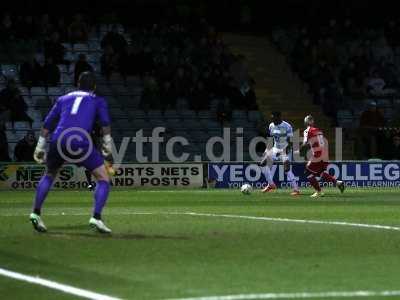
<point x="107" y="145"/>
<point x="40" y="152"/>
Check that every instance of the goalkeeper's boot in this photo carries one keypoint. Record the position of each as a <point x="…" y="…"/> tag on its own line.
<point x="317" y="194"/>
<point x="37" y="222"/>
<point x="269" y="188"/>
<point x="341" y="186"/>
<point x="295" y="193"/>
<point x="99" y="225"/>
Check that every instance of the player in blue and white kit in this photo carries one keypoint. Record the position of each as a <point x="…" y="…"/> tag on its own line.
<point x="281" y="132"/>
<point x="73" y="116"/>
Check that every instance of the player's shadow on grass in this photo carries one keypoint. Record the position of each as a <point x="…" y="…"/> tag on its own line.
<point x="56" y="232"/>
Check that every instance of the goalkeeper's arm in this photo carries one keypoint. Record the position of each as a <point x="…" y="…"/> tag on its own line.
<point x="39" y="155"/>
<point x="107" y="142"/>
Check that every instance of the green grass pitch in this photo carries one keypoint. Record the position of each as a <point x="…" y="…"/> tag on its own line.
<point x="158" y="252"/>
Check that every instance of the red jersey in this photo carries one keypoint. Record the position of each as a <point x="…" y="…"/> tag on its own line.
<point x="315" y="138"/>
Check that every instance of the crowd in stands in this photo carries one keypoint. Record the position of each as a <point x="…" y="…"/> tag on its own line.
<point x="175" y="64"/>
<point x="344" y="63"/>
<point x="174" y="61"/>
<point x="178" y="62"/>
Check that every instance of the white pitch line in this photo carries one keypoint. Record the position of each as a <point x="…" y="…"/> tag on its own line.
<point x="298" y="295"/>
<point x="56" y="286"/>
<point x="270" y="219"/>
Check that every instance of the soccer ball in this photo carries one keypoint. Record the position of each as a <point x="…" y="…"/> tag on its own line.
<point x="246" y="189"/>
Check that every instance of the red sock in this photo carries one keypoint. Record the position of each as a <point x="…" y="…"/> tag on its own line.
<point x="328" y="178"/>
<point x="314" y="182"/>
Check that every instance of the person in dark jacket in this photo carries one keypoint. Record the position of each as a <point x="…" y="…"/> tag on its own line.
<point x="24" y="149"/>
<point x="81" y="66"/>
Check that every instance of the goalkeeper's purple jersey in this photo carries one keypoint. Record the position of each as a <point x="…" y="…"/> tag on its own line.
<point x="77" y="109"/>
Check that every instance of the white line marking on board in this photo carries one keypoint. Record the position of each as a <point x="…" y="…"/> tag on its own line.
<point x="56" y="286"/>
<point x="270" y="219"/>
<point x="298" y="295"/>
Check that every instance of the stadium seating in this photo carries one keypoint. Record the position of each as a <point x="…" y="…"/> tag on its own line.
<point x="124" y="104"/>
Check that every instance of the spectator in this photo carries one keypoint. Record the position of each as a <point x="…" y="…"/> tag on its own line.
<point x="31" y="73"/>
<point x="3" y="145"/>
<point x="114" y="39"/>
<point x="45" y="26"/>
<point x="393" y="151"/>
<point x="167" y="95"/>
<point x="24" y="149"/>
<point x="200" y="98"/>
<point x="376" y="84"/>
<point x="78" y="30"/>
<point x="81" y="66"/>
<point x="150" y="98"/>
<point x="6" y="28"/>
<point x="62" y="29"/>
<point x="372" y="117"/>
<point x="26" y="28"/>
<point x="55" y="50"/>
<point x="51" y="73"/>
<point x="368" y="137"/>
<point x="224" y="111"/>
<point x="108" y="62"/>
<point x="12" y="100"/>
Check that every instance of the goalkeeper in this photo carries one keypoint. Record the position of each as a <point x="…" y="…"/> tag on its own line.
<point x="74" y="116"/>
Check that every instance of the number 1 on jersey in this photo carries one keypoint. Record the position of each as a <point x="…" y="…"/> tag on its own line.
<point x="75" y="106"/>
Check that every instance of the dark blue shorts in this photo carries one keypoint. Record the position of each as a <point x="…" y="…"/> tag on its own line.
<point x="80" y="155"/>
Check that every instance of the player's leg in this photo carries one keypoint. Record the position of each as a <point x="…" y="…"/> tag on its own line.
<point x="312" y="172"/>
<point x="268" y="159"/>
<point x="100" y="198"/>
<point x="42" y="190"/>
<point x="290" y="176"/>
<point x="95" y="164"/>
<point x="54" y="163"/>
<point x="329" y="178"/>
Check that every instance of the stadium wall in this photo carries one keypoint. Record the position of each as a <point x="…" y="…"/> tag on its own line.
<point x="354" y="173"/>
<point x="15" y="176"/>
<point x="26" y="176"/>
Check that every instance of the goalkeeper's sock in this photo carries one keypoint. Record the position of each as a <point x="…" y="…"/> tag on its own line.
<point x="292" y="179"/>
<point x="329" y="178"/>
<point x="41" y="192"/>
<point x="100" y="197"/>
<point x="314" y="183"/>
<point x="268" y="175"/>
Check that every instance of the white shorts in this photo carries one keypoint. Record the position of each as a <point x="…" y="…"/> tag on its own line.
<point x="276" y="154"/>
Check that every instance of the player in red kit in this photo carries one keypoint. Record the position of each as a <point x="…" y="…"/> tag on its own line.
<point x="318" y="160"/>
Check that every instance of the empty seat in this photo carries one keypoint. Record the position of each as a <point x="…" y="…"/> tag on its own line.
<point x="38" y="91"/>
<point x="239" y="114"/>
<point x="154" y="114"/>
<point x="80" y="48"/>
<point x="24" y="91"/>
<point x="37" y="125"/>
<point x="255" y="115"/>
<point x="206" y="114"/>
<point x="170" y="114"/>
<point x="188" y="114"/>
<point x="55" y="91"/>
<point x="123" y="123"/>
<point x="137" y="114"/>
<point x="67" y="46"/>
<point x="21" y="125"/>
